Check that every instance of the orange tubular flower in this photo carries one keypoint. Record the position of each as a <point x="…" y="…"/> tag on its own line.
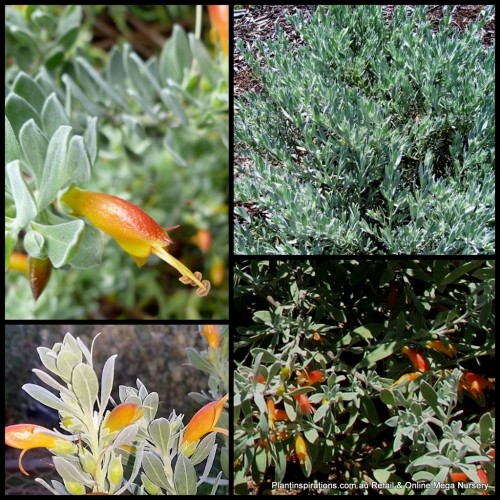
<point x="304" y="404"/>
<point x="203" y="422"/>
<point x="475" y="385"/>
<point x="28" y="436"/>
<point x="133" y="229"/>
<point x="306" y="378"/>
<point x="18" y="262"/>
<point x="301" y="448"/>
<point x="261" y="379"/>
<point x="211" y="333"/>
<point x="418" y="360"/>
<point x="122" y="416"/>
<point x="457" y="477"/>
<point x="438" y="345"/>
<point x="219" y="18"/>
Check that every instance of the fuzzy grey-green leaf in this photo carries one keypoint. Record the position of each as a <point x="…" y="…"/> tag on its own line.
<point x="85" y="386"/>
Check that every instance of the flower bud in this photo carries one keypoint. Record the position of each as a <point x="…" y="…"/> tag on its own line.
<point x="115" y="471"/>
<point x="39" y="271"/>
<point x="74" y="488"/>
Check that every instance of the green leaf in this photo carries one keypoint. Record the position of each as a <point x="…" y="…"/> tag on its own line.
<point x="61" y="240"/>
<point x="203" y="449"/>
<point x="70" y="471"/>
<point x="29" y="90"/>
<point x="89" y="250"/>
<point x="153" y="467"/>
<point x="204" y="62"/>
<point x="74" y="91"/>
<point x="460" y="271"/>
<point x="107" y="376"/>
<point x="159" y="430"/>
<point x="431" y="398"/>
<point x="54" y="167"/>
<point x="53" y="115"/>
<point x="175" y="57"/>
<point x="78" y="165"/>
<point x="198" y="361"/>
<point x="11" y="146"/>
<point x="34" y="244"/>
<point x="486" y="427"/>
<point x="85" y="386"/>
<point x="66" y="362"/>
<point x="90" y="137"/>
<point x="173" y="104"/>
<point x="45" y="397"/>
<point x="10" y="243"/>
<point x="150" y="406"/>
<point x="19" y="111"/>
<point x="34" y="147"/>
<point x="23" y="198"/>
<point x="381" y="352"/>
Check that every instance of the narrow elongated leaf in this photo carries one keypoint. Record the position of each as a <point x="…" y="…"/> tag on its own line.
<point x="159" y="430"/>
<point x="34" y="147"/>
<point x="85" y="386"/>
<point x="45" y="397"/>
<point x="108" y="373"/>
<point x="53" y="169"/>
<point x="11" y="146"/>
<point x="70" y="471"/>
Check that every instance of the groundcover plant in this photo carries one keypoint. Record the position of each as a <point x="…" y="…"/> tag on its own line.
<point x="108" y="447"/>
<point x="367" y="136"/>
<point x="371" y="376"/>
<point x="118" y="142"/>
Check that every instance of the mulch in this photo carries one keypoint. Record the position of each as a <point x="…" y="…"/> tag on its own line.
<point x="259" y="23"/>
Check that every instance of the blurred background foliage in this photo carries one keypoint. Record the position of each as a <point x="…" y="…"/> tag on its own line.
<point x="154" y="353"/>
<point x="50" y="38"/>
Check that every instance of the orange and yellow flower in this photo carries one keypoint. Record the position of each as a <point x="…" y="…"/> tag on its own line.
<point x="438" y="345"/>
<point x="406" y="379"/>
<point x="418" y="359"/>
<point x="219" y="19"/>
<point x="475" y="385"/>
<point x="211" y="333"/>
<point x="122" y="416"/>
<point x="203" y="422"/>
<point x="18" y="262"/>
<point x="133" y="229"/>
<point x="310" y="378"/>
<point x="301" y="448"/>
<point x="28" y="436"/>
<point x="304" y="404"/>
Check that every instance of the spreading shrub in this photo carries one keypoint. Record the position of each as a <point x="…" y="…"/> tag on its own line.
<point x="368" y="136"/>
<point x="365" y="373"/>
